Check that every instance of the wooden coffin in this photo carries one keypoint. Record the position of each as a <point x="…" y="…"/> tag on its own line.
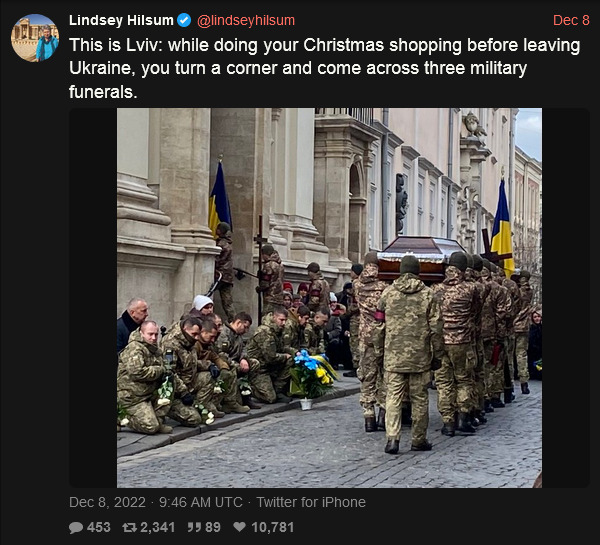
<point x="432" y="253"/>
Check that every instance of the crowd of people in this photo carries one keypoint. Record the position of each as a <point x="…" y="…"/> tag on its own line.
<point x="469" y="337"/>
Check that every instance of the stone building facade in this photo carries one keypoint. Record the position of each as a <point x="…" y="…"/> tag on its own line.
<point x="322" y="180"/>
<point x="24" y="30"/>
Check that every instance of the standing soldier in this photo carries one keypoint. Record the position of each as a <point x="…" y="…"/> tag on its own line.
<point x="454" y="379"/>
<point x="353" y="314"/>
<point x="271" y="279"/>
<point x="318" y="291"/>
<point x="473" y="274"/>
<point x="493" y="318"/>
<point x="224" y="267"/>
<point x="522" y="323"/>
<point x="509" y="371"/>
<point x="409" y="335"/>
<point x="502" y="341"/>
<point x="367" y="290"/>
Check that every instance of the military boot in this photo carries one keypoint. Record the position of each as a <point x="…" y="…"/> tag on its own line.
<point x="487" y="407"/>
<point x="370" y="423"/>
<point x="234" y="408"/>
<point x="463" y="423"/>
<point x="481" y="416"/>
<point x="524" y="388"/>
<point x="425" y="445"/>
<point x="249" y="402"/>
<point x="448" y="429"/>
<point x="473" y="420"/>
<point x="496" y="402"/>
<point x="381" y="419"/>
<point x="508" y="395"/>
<point x="392" y="446"/>
<point x="211" y="408"/>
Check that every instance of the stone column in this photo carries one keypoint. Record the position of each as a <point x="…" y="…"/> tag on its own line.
<point x="184" y="193"/>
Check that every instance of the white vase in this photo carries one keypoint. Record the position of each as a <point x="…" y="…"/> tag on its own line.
<point x="306" y="404"/>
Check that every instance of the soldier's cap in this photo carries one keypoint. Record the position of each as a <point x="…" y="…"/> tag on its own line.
<point x="458" y="260"/>
<point x="469" y="261"/>
<point x="371" y="258"/>
<point x="357" y="268"/>
<point x="223" y="227"/>
<point x="267" y="249"/>
<point x="525" y="274"/>
<point x="487" y="264"/>
<point x="477" y="262"/>
<point x="410" y="264"/>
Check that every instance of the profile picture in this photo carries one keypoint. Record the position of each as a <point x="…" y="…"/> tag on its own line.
<point x="34" y="38"/>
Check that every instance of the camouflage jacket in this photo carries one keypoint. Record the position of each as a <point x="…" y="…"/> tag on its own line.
<point x="230" y="346"/>
<point x="185" y="357"/>
<point x="318" y="292"/>
<point x="352" y="310"/>
<point x="224" y="261"/>
<point x="522" y="320"/>
<point x="207" y="355"/>
<point x="367" y="291"/>
<point x="515" y="298"/>
<point x="271" y="280"/>
<point x="266" y="345"/>
<point x="140" y="371"/>
<point x="410" y="331"/>
<point x="294" y="339"/>
<point x="474" y="277"/>
<point x="495" y="307"/>
<point x="315" y="339"/>
<point x="459" y="301"/>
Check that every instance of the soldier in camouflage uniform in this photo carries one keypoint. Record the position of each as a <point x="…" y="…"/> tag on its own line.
<point x="294" y="338"/>
<point x="140" y="373"/>
<point x="409" y="335"/>
<point x="353" y="314"/>
<point x="473" y="274"/>
<point x="318" y="290"/>
<point x="266" y="346"/>
<point x="224" y="265"/>
<point x="509" y="371"/>
<point x="493" y="333"/>
<point x="198" y="376"/>
<point x="367" y="290"/>
<point x="521" y="324"/>
<point x="454" y="380"/>
<point x="314" y="332"/>
<point x="271" y="279"/>
<point x="231" y="347"/>
<point x="228" y="399"/>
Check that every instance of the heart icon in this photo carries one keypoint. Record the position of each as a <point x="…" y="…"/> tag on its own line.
<point x="239" y="526"/>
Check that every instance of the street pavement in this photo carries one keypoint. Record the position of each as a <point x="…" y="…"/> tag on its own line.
<point x="282" y="446"/>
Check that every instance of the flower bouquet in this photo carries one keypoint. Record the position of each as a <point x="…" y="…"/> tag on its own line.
<point x="538" y="364"/>
<point x="244" y="385"/>
<point x="220" y="387"/>
<point x="165" y="392"/>
<point x="311" y="376"/>
<point x="122" y="415"/>
<point x="207" y="416"/>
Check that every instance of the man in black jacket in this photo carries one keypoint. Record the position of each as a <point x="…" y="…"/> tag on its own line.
<point x="135" y="313"/>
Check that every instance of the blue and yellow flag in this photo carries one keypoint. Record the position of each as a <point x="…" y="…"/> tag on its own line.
<point x="501" y="232"/>
<point x="218" y="203"/>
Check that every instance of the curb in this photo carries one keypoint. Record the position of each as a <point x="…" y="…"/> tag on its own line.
<point x="130" y="443"/>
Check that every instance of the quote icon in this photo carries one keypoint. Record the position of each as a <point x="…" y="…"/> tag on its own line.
<point x="239" y="526"/>
<point x="75" y="527"/>
<point x="184" y="19"/>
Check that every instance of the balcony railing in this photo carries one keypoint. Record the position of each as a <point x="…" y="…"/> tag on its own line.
<point x="364" y="115"/>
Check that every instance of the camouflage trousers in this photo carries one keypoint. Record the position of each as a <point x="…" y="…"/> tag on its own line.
<point x="397" y="385"/>
<point x="225" y="292"/>
<point x="354" y="348"/>
<point x="454" y="380"/>
<point x="479" y="388"/>
<point x="146" y="416"/>
<point x="272" y="379"/>
<point x="509" y="361"/>
<point x="521" y="345"/>
<point x="494" y="382"/>
<point x="372" y="384"/>
<point x="252" y="374"/>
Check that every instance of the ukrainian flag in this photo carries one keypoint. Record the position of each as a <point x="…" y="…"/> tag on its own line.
<point x="218" y="203"/>
<point x="501" y="232"/>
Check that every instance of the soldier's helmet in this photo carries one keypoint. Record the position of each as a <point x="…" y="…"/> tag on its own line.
<point x="410" y="264"/>
<point x="477" y="262"/>
<point x="525" y="274"/>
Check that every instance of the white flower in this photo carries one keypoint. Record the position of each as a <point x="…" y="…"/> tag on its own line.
<point x="217" y="390"/>
<point x="125" y="421"/>
<point x="210" y="418"/>
<point x="163" y="401"/>
<point x="246" y="392"/>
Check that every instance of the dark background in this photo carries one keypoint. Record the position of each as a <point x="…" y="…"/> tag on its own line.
<point x="58" y="258"/>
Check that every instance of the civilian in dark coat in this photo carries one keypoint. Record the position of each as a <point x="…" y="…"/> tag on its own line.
<point x="135" y="313"/>
<point x="534" y="349"/>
